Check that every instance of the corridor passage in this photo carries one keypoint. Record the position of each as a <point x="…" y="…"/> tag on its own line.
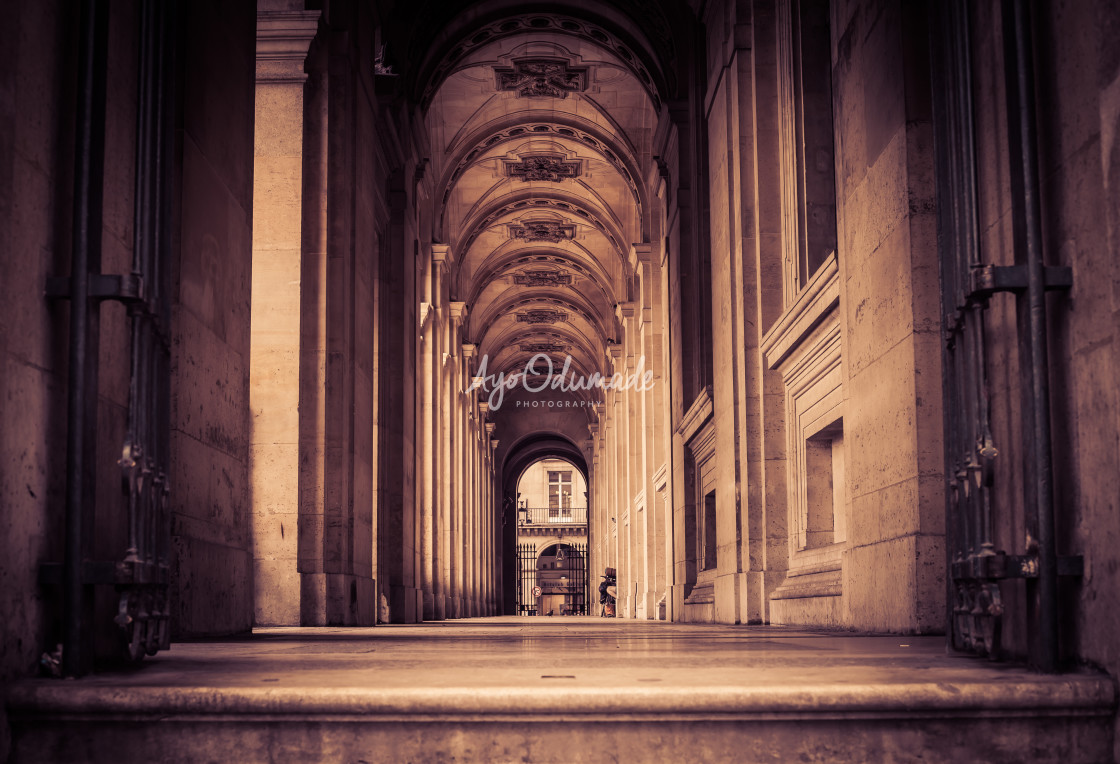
<point x="563" y="689"/>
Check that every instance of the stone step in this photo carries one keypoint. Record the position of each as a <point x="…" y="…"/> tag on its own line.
<point x="564" y="690"/>
<point x="1060" y="719"/>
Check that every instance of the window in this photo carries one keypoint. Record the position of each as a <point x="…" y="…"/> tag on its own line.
<point x="706" y="532"/>
<point x="559" y="493"/>
<point x="810" y="145"/>
<point x="823" y="521"/>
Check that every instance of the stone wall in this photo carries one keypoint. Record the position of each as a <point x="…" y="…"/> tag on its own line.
<point x="894" y="567"/>
<point x="212" y="562"/>
<point x="36" y="164"/>
<point x="884" y="377"/>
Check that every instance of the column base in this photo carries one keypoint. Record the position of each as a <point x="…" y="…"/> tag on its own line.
<point x="403" y="602"/>
<point x="337" y="599"/>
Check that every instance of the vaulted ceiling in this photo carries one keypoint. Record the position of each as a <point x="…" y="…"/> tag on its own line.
<point x="541" y="126"/>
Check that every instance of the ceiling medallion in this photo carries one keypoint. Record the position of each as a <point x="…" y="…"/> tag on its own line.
<point x="543" y="277"/>
<point x="542" y="230"/>
<point x="545" y="347"/>
<point x="550" y="167"/>
<point x="542" y="316"/>
<point x="541" y="78"/>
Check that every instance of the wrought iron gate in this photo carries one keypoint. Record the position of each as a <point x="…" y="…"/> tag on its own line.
<point x="578" y="591"/>
<point x="526" y="579"/>
<point x="968" y="285"/>
<point x="141" y="578"/>
<point x="569" y="578"/>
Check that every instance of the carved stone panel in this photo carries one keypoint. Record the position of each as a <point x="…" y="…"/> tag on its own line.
<point x="542" y="316"/>
<point x="549" y="167"/>
<point x="542" y="230"/>
<point x="545" y="347"/>
<point x="543" y="277"/>
<point x="541" y="78"/>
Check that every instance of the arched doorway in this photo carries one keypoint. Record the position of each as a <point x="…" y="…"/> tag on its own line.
<point x="551" y="527"/>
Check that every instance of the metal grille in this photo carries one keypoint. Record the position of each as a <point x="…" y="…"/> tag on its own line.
<point x="567" y="577"/>
<point x="968" y="285"/>
<point x="141" y="578"/>
<point x="526" y="579"/>
<point x="552" y="516"/>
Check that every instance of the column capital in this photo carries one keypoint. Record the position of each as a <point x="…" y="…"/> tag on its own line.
<point x="490" y="428"/>
<point x="283" y="38"/>
<point x="641" y="254"/>
<point x="459" y="312"/>
<point x="442" y="256"/>
<point x="484" y="407"/>
<point x="626" y="310"/>
<point x="469" y="349"/>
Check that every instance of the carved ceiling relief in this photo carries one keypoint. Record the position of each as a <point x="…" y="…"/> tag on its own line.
<point x="548" y="167"/>
<point x="545" y="347"/>
<point x="541" y="316"/>
<point x="541" y="78"/>
<point x="542" y="230"/>
<point x="543" y="277"/>
<point x="548" y="22"/>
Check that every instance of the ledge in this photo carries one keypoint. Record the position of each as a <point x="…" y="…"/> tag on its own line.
<point x="1088" y="695"/>
<point x="698" y="413"/>
<point x="820" y="296"/>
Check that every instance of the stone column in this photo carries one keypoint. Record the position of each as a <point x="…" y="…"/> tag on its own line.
<point x="441" y="265"/>
<point x="634" y="456"/>
<point x="313" y="331"/>
<point x="283" y="39"/>
<point x="654" y="432"/>
<point x="471" y="547"/>
<point x="485" y="510"/>
<point x="493" y="527"/>
<point x="425" y="451"/>
<point x="457" y="312"/>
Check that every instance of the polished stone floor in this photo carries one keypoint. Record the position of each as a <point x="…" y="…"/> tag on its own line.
<point x="560" y="690"/>
<point x="506" y="658"/>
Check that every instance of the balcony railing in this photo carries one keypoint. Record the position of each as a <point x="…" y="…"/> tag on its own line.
<point x="552" y="516"/>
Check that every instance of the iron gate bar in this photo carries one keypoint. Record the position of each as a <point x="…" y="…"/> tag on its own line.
<point x="143" y="577"/>
<point x="83" y="355"/>
<point x="1027" y="228"/>
<point x="975" y="609"/>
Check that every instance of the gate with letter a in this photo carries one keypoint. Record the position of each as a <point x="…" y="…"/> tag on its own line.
<point x="565" y="576"/>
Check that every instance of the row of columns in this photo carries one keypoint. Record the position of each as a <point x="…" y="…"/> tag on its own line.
<point x="632" y="520"/>
<point x="372" y="488"/>
<point x="455" y="453"/>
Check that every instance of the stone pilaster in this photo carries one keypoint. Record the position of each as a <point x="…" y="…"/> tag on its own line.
<point x="282" y="43"/>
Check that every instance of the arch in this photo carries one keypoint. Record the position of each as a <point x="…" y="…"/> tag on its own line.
<point x="500" y="262"/>
<point x="525" y="200"/>
<point x="539" y="459"/>
<point x="518" y="127"/>
<point x="457" y="39"/>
